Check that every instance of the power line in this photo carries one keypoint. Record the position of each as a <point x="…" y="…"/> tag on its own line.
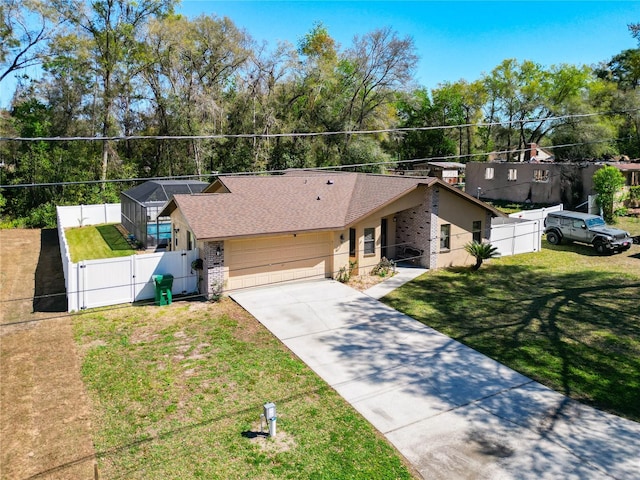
<point x="192" y="296"/>
<point x="118" y="138"/>
<point x="302" y="169"/>
<point x="239" y="270"/>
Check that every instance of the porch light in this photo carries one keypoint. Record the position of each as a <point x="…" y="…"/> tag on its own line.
<point x="218" y="250"/>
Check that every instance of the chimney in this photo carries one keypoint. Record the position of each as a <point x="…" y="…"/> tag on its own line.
<point x="530" y="152"/>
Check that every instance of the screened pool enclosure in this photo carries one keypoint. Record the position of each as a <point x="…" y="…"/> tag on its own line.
<point x="140" y="207"/>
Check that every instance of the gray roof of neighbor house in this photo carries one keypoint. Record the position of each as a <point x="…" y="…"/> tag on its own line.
<point x="159" y="191"/>
<point x="237" y="206"/>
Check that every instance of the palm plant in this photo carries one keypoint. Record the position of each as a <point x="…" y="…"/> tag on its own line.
<point x="482" y="252"/>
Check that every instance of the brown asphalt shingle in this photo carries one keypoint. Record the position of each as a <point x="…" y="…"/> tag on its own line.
<point x="294" y="202"/>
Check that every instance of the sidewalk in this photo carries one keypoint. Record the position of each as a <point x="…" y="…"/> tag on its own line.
<point x="403" y="275"/>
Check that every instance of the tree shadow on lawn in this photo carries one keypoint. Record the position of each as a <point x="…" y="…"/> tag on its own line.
<point x="113" y="238"/>
<point x="576" y="332"/>
<point x="508" y="313"/>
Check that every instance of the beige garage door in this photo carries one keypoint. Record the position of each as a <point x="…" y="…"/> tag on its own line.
<point x="278" y="259"/>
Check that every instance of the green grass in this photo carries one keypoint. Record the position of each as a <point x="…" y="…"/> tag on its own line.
<point x="564" y="316"/>
<point x="97" y="241"/>
<point x="177" y="392"/>
<point x="507" y="206"/>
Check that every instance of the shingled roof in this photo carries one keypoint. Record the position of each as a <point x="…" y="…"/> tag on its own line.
<point x="295" y="202"/>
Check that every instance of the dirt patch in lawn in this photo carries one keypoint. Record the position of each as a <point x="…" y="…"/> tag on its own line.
<point x="45" y="429"/>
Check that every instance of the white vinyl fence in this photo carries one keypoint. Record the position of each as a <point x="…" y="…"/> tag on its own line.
<point x="521" y="232"/>
<point x="80" y="215"/>
<point x="98" y="283"/>
<point x="538" y="214"/>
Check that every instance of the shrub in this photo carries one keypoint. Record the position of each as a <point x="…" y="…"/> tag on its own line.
<point x="345" y="272"/>
<point x="383" y="267"/>
<point x="482" y="251"/>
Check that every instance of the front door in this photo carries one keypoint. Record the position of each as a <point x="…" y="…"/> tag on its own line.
<point x="383" y="238"/>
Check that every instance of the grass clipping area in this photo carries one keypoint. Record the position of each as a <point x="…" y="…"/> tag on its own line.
<point x="97" y="241"/>
<point x="177" y="392"/>
<point x="564" y="316"/>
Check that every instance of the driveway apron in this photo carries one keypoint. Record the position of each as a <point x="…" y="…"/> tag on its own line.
<point x="451" y="411"/>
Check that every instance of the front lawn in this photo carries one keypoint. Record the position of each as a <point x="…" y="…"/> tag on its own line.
<point x="177" y="392"/>
<point x="97" y="241"/>
<point x="564" y="316"/>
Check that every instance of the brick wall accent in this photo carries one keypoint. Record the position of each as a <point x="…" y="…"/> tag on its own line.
<point x="214" y="268"/>
<point x="415" y="227"/>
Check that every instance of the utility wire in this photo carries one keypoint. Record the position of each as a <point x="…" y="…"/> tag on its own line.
<point x="302" y="169"/>
<point x="309" y="134"/>
<point x="245" y="268"/>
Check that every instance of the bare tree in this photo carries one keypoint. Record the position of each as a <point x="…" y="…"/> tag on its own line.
<point x="26" y="26"/>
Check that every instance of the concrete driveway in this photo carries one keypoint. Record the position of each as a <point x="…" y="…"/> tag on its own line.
<point x="452" y="412"/>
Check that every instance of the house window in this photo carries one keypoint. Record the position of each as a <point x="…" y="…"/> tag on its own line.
<point x="445" y="236"/>
<point x="352" y="242"/>
<point x="476" y="229"/>
<point x="488" y="173"/>
<point x="191" y="240"/>
<point x="513" y="174"/>
<point x="540" y="175"/>
<point x="369" y="241"/>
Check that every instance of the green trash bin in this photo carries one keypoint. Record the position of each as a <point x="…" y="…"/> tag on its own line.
<point x="163" y="284"/>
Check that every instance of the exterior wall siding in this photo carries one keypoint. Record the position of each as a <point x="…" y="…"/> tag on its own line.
<point x="460" y="215"/>
<point x="179" y="231"/>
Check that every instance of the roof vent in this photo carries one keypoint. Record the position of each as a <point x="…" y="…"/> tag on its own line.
<point x="329" y="182"/>
<point x="318" y="197"/>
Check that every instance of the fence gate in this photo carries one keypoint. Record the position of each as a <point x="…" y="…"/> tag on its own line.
<point x="98" y="283"/>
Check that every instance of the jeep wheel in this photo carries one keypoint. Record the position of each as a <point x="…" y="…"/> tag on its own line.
<point x="553" y="238"/>
<point x="601" y="248"/>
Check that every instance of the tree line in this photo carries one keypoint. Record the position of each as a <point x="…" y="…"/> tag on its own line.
<point x="121" y="68"/>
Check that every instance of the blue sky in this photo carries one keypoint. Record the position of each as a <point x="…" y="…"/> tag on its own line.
<point x="454" y="39"/>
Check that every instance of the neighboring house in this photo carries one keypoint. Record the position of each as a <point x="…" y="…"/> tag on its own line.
<point x="544" y="183"/>
<point x="631" y="172"/>
<point x="534" y="153"/>
<point x="450" y="172"/>
<point x="531" y="153"/>
<point x="140" y="207"/>
<point x="258" y="230"/>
